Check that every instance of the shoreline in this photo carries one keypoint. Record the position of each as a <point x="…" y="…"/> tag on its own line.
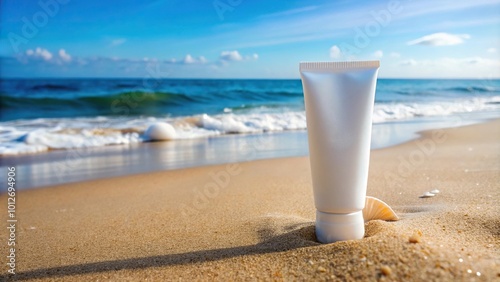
<point x="256" y="219"/>
<point x="59" y="167"/>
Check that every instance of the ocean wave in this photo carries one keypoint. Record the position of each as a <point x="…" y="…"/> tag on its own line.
<point x="259" y="108"/>
<point x="36" y="135"/>
<point x="134" y="99"/>
<point x="268" y="93"/>
<point x="401" y="111"/>
<point x="145" y="103"/>
<point x="417" y="93"/>
<point x="54" y="87"/>
<point x="438" y="92"/>
<point x="472" y="89"/>
<point x="125" y="85"/>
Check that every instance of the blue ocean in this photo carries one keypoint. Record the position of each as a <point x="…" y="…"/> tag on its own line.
<point x="38" y="115"/>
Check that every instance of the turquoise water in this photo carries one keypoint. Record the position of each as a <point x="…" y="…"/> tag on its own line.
<point x="37" y="115"/>
<point x="56" y="98"/>
<point x="220" y="121"/>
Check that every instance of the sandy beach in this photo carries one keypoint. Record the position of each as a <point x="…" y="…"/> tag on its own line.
<point x="255" y="221"/>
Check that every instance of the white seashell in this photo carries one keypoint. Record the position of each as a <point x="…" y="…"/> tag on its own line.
<point x="427" y="195"/>
<point x="377" y="209"/>
<point x="435" y="191"/>
<point x="160" y="131"/>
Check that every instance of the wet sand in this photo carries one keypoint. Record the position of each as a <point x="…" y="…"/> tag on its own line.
<point x="255" y="221"/>
<point x="55" y="167"/>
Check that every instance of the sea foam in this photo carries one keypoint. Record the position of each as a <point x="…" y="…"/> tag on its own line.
<point x="37" y="135"/>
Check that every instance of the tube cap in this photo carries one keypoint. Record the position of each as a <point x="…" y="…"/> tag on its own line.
<point x="333" y="227"/>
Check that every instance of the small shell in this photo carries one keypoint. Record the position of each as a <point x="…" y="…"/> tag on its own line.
<point x="386" y="270"/>
<point x="377" y="209"/>
<point x="427" y="195"/>
<point x="435" y="191"/>
<point x="416" y="237"/>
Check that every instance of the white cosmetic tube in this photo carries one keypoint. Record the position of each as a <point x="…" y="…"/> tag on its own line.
<point x="339" y="98"/>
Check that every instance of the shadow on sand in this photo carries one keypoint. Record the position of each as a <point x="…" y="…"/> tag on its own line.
<point x="294" y="236"/>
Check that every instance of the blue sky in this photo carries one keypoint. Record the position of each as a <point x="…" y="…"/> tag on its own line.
<point x="247" y="39"/>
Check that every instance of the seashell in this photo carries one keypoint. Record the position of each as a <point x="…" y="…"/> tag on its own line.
<point x="435" y="191"/>
<point x="377" y="209"/>
<point x="427" y="195"/>
<point x="160" y="131"/>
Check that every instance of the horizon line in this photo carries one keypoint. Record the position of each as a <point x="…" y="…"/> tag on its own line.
<point x="236" y="78"/>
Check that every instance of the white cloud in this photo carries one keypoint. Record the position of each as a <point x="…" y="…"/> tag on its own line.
<point x="252" y="57"/>
<point x="378" y="54"/>
<point x="445" y="67"/>
<point x="230" y="56"/>
<point x="451" y="62"/>
<point x="335" y="52"/>
<point x="189" y="59"/>
<point x="410" y="62"/>
<point x="43" y="58"/>
<point x="117" y="42"/>
<point x="39" y="53"/>
<point x="440" y="39"/>
<point x="395" y="55"/>
<point x="225" y="57"/>
<point x="476" y="61"/>
<point x="64" y="56"/>
<point x="43" y="54"/>
<point x="492" y="50"/>
<point x="318" y="25"/>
